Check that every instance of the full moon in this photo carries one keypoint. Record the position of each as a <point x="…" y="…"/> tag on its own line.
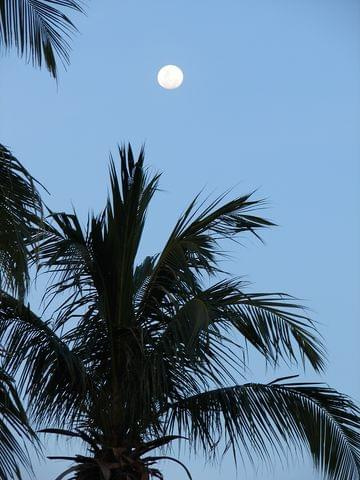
<point x="170" y="77"/>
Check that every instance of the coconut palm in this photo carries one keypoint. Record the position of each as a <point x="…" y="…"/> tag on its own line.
<point x="38" y="29"/>
<point x="20" y="209"/>
<point x="138" y="355"/>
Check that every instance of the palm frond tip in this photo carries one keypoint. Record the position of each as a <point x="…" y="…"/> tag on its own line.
<point x="38" y="29"/>
<point x="265" y="418"/>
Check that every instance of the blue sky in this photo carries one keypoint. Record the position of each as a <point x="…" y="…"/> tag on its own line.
<point x="270" y="100"/>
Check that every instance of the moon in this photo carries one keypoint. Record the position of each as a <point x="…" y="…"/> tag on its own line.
<point x="170" y="77"/>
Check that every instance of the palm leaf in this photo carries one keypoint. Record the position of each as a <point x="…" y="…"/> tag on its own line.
<point x="200" y="333"/>
<point x="38" y="29"/>
<point x="49" y="373"/>
<point x="193" y="247"/>
<point x="20" y="207"/>
<point x="263" y="419"/>
<point x="13" y="425"/>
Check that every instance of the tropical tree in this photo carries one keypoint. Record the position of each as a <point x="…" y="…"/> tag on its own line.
<point x="137" y="355"/>
<point x="20" y="211"/>
<point x="39" y="30"/>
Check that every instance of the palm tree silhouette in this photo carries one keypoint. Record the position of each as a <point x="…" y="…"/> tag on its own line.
<point x="139" y="355"/>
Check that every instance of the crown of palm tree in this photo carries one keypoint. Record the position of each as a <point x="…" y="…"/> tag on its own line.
<point x="138" y="355"/>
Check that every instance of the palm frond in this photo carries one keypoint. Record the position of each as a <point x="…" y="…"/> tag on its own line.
<point x="273" y="323"/>
<point x="13" y="426"/>
<point x="38" y="29"/>
<point x="207" y="333"/>
<point x="264" y="419"/>
<point x="20" y="208"/>
<point x="192" y="249"/>
<point x="49" y="373"/>
<point x="277" y="327"/>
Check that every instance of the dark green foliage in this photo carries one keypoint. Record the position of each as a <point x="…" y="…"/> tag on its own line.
<point x="20" y="207"/>
<point x="13" y="424"/>
<point x="38" y="29"/>
<point x="137" y="355"/>
<point x="264" y="417"/>
<point x="50" y="376"/>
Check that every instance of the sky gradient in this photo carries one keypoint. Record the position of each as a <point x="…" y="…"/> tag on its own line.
<point x="270" y="101"/>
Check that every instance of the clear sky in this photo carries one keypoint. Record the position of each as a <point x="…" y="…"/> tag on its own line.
<point x="270" y="100"/>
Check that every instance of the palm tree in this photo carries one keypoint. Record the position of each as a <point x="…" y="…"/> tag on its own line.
<point x="138" y="355"/>
<point x="20" y="210"/>
<point x="38" y="29"/>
